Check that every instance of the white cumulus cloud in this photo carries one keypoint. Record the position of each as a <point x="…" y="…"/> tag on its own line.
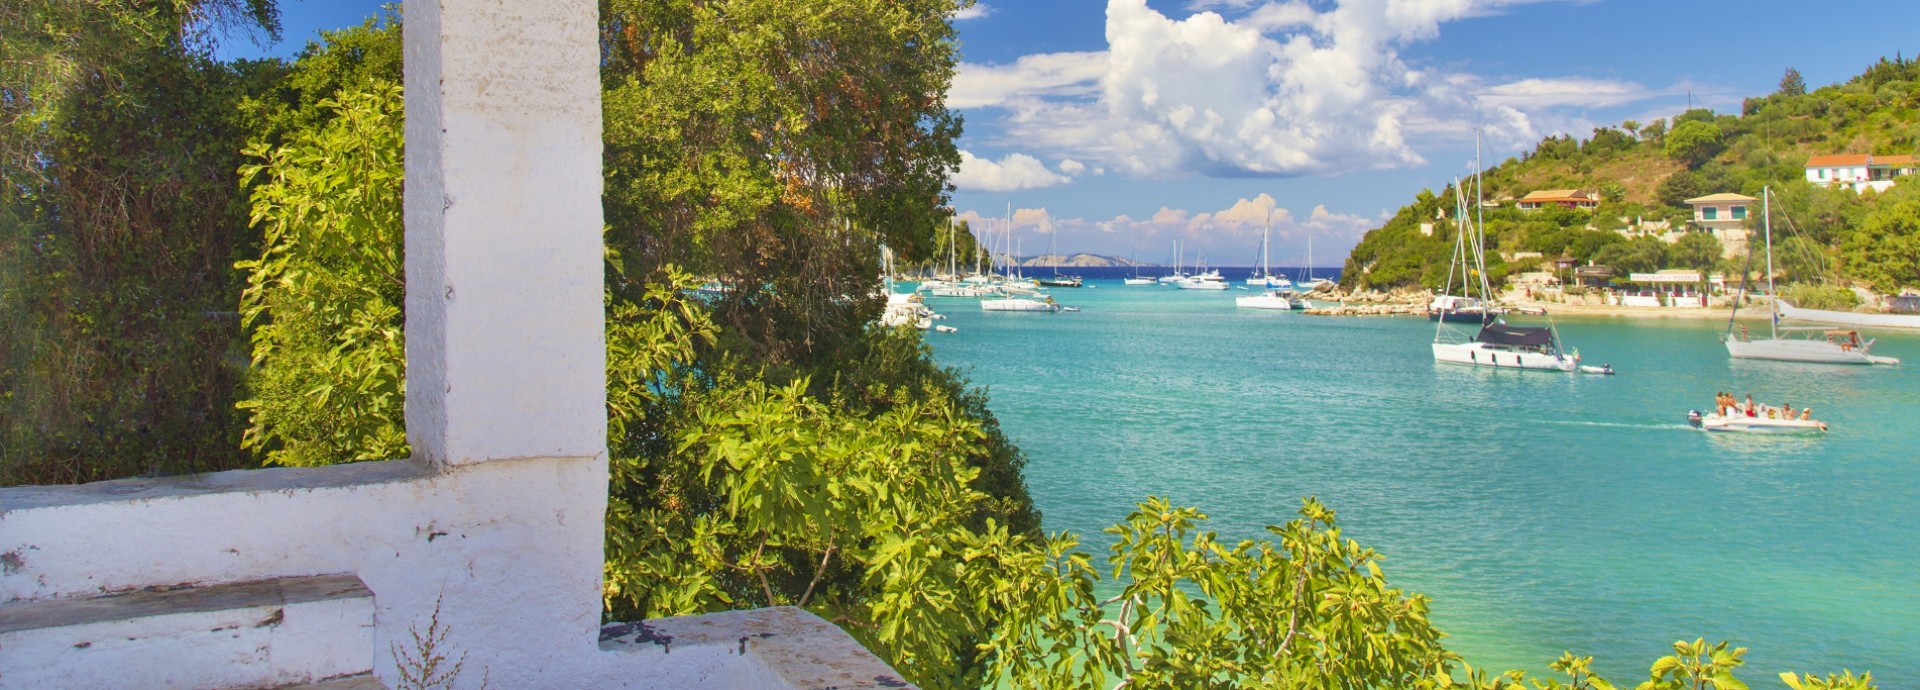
<point x="1013" y="172"/>
<point x="1281" y="88"/>
<point x="977" y="10"/>
<point x="1042" y="74"/>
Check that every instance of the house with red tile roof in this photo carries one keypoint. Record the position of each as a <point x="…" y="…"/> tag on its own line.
<point x="1570" y="198"/>
<point x="1858" y="171"/>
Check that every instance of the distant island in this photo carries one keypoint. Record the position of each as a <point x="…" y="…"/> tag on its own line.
<point x="1081" y="260"/>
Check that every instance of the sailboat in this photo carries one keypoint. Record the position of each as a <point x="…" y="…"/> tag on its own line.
<point x="1177" y="275"/>
<point x="1814" y="344"/>
<point x="1056" y="280"/>
<point x="1307" y="281"/>
<point x="1133" y="258"/>
<point x="1496" y="344"/>
<point x="1265" y="276"/>
<point x="1015" y="293"/>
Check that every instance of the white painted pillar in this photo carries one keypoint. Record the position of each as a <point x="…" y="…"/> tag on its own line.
<point x="506" y="349"/>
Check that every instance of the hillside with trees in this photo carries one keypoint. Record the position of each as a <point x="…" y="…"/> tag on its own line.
<point x="1643" y="173"/>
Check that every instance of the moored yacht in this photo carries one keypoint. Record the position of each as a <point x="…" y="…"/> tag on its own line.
<point x="1271" y="299"/>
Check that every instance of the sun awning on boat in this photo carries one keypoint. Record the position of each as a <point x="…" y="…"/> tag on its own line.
<point x="1514" y="335"/>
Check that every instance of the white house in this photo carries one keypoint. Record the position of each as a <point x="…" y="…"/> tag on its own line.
<point x="1858" y="171"/>
<point x="1725" y="215"/>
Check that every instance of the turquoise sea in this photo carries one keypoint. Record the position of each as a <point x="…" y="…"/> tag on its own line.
<point x="1543" y="512"/>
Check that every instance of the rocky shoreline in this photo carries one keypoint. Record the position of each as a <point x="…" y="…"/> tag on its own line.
<point x="1414" y="303"/>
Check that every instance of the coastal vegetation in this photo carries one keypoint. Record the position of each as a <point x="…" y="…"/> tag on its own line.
<point x="239" y="300"/>
<point x="1643" y="174"/>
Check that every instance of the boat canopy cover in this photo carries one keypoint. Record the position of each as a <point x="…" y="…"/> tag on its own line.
<point x="1515" y="335"/>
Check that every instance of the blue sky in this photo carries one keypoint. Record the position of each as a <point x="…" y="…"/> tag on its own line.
<point x="1123" y="125"/>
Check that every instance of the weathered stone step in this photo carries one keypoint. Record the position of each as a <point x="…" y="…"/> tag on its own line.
<point x="259" y="634"/>
<point x="358" y="681"/>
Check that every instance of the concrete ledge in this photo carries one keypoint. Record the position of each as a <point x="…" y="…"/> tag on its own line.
<point x="55" y="613"/>
<point x="267" y="479"/>
<point x="358" y="681"/>
<point x="777" y="648"/>
<point x="251" y="634"/>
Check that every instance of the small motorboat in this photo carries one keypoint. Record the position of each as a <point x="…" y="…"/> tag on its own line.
<point x="1759" y="424"/>
<point x="1603" y="370"/>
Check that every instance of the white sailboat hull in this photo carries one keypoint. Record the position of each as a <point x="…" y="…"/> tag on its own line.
<point x="1268" y="301"/>
<point x="1801" y="350"/>
<point x="1480" y="354"/>
<point x="1015" y="304"/>
<point x="961" y="291"/>
<point x="1850" y="318"/>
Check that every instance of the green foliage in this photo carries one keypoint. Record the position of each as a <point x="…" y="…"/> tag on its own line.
<point x="1613" y="191"/>
<point x="774" y="145"/>
<point x="356" y="59"/>
<point x="1844" y="681"/>
<point x="1885" y="252"/>
<point x="323" y="300"/>
<point x="1696" y="250"/>
<point x="1696" y="666"/>
<point x="1678" y="188"/>
<point x="1792" y="84"/>
<point x="1694" y="142"/>
<point x="119" y="221"/>
<point x="1814" y="296"/>
<point x="1638" y="255"/>
<point x="1305" y="609"/>
<point x="730" y="492"/>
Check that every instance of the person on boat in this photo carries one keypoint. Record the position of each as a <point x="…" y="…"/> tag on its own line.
<point x="1806" y="414"/>
<point x="1751" y="412"/>
<point x="1786" y="411"/>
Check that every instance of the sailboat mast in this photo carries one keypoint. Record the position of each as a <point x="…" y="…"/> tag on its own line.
<point x="1266" y="243"/>
<point x="1766" y="213"/>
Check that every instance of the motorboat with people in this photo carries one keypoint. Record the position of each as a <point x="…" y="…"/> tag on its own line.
<point x="1730" y="414"/>
<point x="1754" y="425"/>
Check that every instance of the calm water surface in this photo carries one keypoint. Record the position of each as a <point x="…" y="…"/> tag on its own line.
<point x="1542" y="512"/>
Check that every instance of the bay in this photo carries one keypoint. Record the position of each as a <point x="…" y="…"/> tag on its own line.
<point x="1542" y="512"/>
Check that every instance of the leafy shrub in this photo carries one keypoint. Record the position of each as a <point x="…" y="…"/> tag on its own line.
<point x="324" y="298"/>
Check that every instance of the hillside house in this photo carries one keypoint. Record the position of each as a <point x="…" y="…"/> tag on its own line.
<point x="1858" y="171"/>
<point x="1724" y="215"/>
<point x="1569" y="198"/>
